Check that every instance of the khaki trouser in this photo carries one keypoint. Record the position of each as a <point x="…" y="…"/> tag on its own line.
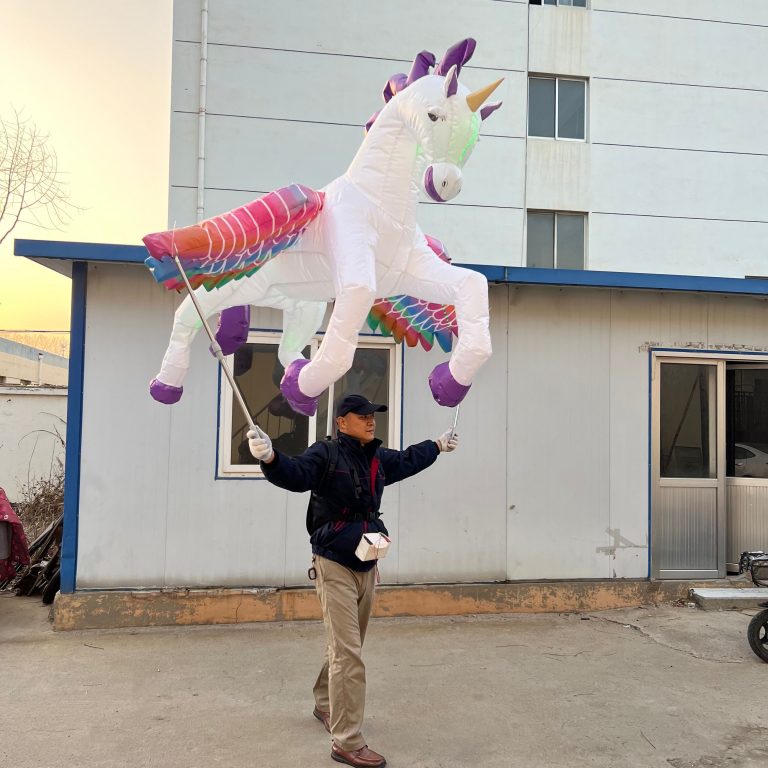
<point x="346" y="597"/>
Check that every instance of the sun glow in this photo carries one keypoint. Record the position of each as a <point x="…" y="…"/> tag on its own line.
<point x="96" y="77"/>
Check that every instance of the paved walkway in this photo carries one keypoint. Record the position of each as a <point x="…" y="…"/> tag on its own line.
<point x="660" y="687"/>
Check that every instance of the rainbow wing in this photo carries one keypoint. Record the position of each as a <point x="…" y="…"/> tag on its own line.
<point x="415" y="320"/>
<point x="235" y="244"/>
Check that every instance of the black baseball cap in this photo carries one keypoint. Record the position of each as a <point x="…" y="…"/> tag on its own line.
<point x="359" y="405"/>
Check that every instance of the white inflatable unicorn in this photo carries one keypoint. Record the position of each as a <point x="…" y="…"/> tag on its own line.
<point x="353" y="241"/>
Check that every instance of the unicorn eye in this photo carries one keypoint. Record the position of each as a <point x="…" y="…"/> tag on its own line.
<point x="436" y="113"/>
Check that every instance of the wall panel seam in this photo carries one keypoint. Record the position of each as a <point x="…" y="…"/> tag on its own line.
<point x="337" y="54"/>
<point x="680" y="18"/>
<point x="682" y="85"/>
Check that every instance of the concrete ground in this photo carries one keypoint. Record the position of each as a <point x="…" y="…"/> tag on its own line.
<point x="668" y="686"/>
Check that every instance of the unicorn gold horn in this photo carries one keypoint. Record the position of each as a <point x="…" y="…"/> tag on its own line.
<point x="476" y="98"/>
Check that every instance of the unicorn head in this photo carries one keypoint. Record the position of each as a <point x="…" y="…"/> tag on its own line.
<point x="442" y="115"/>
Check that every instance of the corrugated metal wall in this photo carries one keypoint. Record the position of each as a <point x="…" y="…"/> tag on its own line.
<point x="550" y="481"/>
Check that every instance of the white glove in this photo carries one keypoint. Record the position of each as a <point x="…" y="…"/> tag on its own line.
<point x="260" y="445"/>
<point x="448" y="441"/>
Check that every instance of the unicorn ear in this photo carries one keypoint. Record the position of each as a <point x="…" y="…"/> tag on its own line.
<point x="489" y="109"/>
<point x="451" y="85"/>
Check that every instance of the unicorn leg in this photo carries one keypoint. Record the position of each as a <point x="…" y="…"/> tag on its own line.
<point x="167" y="387"/>
<point x="301" y="321"/>
<point x="428" y="277"/>
<point x="350" y="259"/>
<point x="234" y="324"/>
<point x="304" y="380"/>
<point x="258" y="290"/>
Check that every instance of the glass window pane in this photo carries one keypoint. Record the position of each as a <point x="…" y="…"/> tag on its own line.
<point x="541" y="240"/>
<point x="369" y="376"/>
<point x="258" y="372"/>
<point x="566" y="2"/>
<point x="579" y="3"/>
<point x="550" y="2"/>
<point x="688" y="420"/>
<point x="570" y="241"/>
<point x="570" y="109"/>
<point x="541" y="107"/>
<point x="746" y="421"/>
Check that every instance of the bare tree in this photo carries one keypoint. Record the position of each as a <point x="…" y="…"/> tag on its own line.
<point x="31" y="188"/>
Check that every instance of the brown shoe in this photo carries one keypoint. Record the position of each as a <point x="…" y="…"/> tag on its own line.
<point x="323" y="717"/>
<point x="363" y="757"/>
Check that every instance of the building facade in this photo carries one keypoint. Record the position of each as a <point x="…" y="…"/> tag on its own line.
<point x="25" y="365"/>
<point x="616" y="203"/>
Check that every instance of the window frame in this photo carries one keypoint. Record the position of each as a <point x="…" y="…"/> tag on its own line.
<point x="557" y="213"/>
<point x="557" y="79"/>
<point x="226" y="470"/>
<point x="559" y="4"/>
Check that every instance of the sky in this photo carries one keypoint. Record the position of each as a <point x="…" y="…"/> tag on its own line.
<point x="96" y="76"/>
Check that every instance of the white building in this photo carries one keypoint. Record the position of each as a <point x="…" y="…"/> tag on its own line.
<point x="22" y="364"/>
<point x="618" y="205"/>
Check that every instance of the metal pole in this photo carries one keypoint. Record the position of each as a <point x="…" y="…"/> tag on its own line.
<point x="216" y="347"/>
<point x="329" y="415"/>
<point x="455" y="420"/>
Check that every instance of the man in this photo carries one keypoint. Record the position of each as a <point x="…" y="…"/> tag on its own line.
<point x="347" y="478"/>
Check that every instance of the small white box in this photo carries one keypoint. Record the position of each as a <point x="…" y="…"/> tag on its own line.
<point x="373" y="546"/>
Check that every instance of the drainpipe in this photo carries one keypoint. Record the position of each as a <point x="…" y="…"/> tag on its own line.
<point x="39" y="369"/>
<point x="201" y="110"/>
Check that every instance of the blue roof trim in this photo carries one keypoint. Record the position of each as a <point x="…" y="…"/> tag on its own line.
<point x="630" y="280"/>
<point x="74" y="427"/>
<point x="68" y="251"/>
<point x="136" y="254"/>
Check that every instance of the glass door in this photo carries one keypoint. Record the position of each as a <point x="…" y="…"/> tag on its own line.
<point x="746" y="452"/>
<point x="687" y="468"/>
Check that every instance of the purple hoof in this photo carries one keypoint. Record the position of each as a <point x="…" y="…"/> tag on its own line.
<point x="289" y="386"/>
<point x="234" y="324"/>
<point x="445" y="389"/>
<point x="165" y="393"/>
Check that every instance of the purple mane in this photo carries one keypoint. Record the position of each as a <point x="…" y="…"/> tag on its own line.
<point x="458" y="54"/>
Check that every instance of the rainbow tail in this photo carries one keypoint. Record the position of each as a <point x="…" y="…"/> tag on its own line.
<point x="234" y="244"/>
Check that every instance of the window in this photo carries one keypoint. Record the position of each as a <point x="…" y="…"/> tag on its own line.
<point x="687" y="422"/>
<point x="556" y="240"/>
<point x="557" y="108"/>
<point x="746" y="408"/>
<point x="257" y="370"/>
<point x="574" y="3"/>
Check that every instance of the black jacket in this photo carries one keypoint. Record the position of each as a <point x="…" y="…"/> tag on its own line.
<point x="338" y="540"/>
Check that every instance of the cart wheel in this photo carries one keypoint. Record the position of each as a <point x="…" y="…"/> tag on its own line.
<point x="758" y="634"/>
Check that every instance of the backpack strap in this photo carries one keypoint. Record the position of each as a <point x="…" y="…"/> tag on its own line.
<point x="333" y="460"/>
<point x="330" y="468"/>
